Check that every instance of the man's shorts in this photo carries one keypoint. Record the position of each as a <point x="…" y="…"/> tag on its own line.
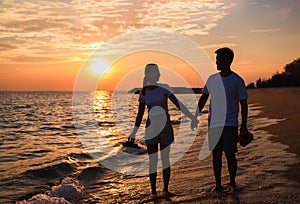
<point x="223" y="139"/>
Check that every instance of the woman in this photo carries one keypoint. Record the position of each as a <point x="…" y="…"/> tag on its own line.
<point x="158" y="127"/>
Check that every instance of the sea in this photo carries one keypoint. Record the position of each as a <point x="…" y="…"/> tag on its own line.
<point x="50" y="148"/>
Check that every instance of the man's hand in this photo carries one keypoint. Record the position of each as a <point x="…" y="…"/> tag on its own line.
<point x="194" y="123"/>
<point x="243" y="130"/>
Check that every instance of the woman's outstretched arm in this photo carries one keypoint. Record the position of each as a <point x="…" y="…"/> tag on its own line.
<point x="181" y="107"/>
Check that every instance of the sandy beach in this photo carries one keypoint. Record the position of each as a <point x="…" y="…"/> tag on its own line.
<point x="282" y="103"/>
<point x="268" y="168"/>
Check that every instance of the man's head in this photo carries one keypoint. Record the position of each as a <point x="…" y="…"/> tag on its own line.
<point x="224" y="58"/>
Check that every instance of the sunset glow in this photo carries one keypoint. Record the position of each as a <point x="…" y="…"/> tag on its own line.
<point x="45" y="44"/>
<point x="100" y="66"/>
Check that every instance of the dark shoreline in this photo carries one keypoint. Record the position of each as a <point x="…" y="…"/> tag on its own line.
<point x="282" y="102"/>
<point x="177" y="90"/>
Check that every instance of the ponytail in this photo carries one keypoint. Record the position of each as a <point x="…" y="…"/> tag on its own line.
<point x="147" y="77"/>
<point x="145" y="83"/>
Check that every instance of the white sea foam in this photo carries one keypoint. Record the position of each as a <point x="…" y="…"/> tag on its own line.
<point x="43" y="198"/>
<point x="68" y="191"/>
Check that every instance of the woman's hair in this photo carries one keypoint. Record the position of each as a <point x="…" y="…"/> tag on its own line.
<point x="149" y="70"/>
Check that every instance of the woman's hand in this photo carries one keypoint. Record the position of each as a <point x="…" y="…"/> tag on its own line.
<point x="131" y="137"/>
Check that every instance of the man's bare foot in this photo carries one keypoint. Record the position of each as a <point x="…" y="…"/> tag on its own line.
<point x="217" y="189"/>
<point x="154" y="196"/>
<point x="167" y="195"/>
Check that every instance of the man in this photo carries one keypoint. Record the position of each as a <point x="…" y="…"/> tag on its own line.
<point x="226" y="90"/>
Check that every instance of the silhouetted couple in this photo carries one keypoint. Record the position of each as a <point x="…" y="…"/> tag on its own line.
<point x="226" y="90"/>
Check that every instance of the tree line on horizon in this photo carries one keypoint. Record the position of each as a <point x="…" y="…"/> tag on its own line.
<point x="290" y="76"/>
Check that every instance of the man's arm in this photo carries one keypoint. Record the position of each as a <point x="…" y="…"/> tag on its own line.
<point x="244" y="112"/>
<point x="201" y="104"/>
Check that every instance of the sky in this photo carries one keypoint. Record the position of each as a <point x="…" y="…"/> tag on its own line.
<point x="48" y="45"/>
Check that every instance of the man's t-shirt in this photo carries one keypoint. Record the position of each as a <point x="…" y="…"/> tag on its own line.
<point x="225" y="94"/>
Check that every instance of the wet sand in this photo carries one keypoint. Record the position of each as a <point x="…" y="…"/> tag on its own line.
<point x="282" y="103"/>
<point x="268" y="169"/>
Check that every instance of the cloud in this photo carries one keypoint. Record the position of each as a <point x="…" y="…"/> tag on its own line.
<point x="219" y="45"/>
<point x="259" y="4"/>
<point x="264" y="30"/>
<point x="41" y="27"/>
<point x="230" y="37"/>
<point x="190" y="18"/>
<point x="7" y="47"/>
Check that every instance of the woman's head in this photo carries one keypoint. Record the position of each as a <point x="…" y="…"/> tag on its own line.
<point x="151" y="74"/>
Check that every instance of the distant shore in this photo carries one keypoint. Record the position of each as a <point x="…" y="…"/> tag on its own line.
<point x="177" y="90"/>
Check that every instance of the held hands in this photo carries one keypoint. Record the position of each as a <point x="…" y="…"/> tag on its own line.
<point x="194" y="123"/>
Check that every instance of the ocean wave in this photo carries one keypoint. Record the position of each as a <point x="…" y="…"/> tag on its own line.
<point x="42" y="151"/>
<point x="51" y="172"/>
<point x="106" y="123"/>
<point x="81" y="156"/>
<point x="90" y="174"/>
<point x="70" y="190"/>
<point x="68" y="127"/>
<point x="22" y="106"/>
<point x="50" y="128"/>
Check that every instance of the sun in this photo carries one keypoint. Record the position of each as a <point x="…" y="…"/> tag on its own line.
<point x="100" y="66"/>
